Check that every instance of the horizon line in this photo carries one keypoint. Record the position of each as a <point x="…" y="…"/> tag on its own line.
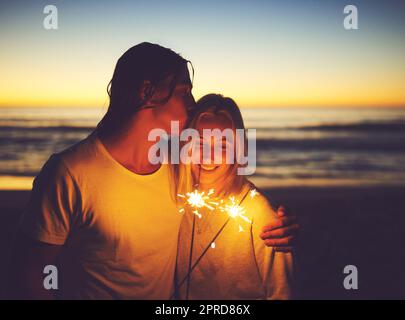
<point x="244" y="106"/>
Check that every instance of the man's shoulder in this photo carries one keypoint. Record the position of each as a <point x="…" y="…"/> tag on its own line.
<point x="67" y="167"/>
<point x="79" y="156"/>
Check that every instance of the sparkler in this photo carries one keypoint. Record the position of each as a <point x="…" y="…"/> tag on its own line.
<point x="236" y="210"/>
<point x="233" y="208"/>
<point x="197" y="200"/>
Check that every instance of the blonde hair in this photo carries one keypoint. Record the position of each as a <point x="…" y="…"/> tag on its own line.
<point x="182" y="177"/>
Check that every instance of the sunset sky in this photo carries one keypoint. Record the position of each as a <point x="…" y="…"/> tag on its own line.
<point x="261" y="53"/>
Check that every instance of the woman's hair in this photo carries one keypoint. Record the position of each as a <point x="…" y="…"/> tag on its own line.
<point x="212" y="105"/>
<point x="143" y="62"/>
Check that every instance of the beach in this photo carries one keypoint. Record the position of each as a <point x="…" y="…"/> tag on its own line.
<point x="305" y="99"/>
<point x="340" y="226"/>
<point x="293" y="146"/>
<point x="342" y="172"/>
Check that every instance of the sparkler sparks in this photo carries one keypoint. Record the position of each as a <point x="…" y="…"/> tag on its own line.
<point x="253" y="193"/>
<point x="232" y="207"/>
<point x="198" y="200"/>
<point x="235" y="210"/>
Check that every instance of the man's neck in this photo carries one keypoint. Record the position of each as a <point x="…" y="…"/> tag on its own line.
<point x="129" y="144"/>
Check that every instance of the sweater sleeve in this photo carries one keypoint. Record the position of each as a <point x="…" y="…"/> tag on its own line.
<point x="275" y="268"/>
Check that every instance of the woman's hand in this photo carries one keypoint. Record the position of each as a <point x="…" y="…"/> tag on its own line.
<point x="282" y="232"/>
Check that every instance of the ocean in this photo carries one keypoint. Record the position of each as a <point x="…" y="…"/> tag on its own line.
<point x="295" y="147"/>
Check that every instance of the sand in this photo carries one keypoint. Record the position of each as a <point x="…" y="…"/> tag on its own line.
<point x="362" y="226"/>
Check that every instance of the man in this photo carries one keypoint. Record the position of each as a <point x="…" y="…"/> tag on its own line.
<point x="100" y="211"/>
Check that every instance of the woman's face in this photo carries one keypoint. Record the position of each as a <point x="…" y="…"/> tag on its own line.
<point x="211" y="174"/>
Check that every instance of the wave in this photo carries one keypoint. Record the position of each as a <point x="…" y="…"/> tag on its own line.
<point x="386" y="126"/>
<point x="48" y="128"/>
<point x="334" y="144"/>
<point x="394" y="125"/>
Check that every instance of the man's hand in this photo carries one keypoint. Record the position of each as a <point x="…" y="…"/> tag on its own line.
<point x="281" y="233"/>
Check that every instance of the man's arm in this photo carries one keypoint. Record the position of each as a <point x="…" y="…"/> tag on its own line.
<point x="282" y="232"/>
<point x="29" y="257"/>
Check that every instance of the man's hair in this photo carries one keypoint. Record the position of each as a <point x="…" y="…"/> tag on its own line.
<point x="143" y="62"/>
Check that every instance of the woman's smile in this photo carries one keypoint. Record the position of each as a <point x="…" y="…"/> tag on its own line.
<point x="209" y="167"/>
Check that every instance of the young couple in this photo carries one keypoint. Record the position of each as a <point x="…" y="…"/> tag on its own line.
<point x="109" y="219"/>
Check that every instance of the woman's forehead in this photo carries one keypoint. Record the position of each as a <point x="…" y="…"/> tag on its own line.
<point x="213" y="121"/>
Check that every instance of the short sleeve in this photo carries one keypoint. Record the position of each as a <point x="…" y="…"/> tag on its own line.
<point x="50" y="212"/>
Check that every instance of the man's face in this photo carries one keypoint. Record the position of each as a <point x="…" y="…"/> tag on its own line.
<point x="177" y="107"/>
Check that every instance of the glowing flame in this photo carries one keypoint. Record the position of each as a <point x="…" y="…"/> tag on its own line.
<point x="253" y="193"/>
<point x="235" y="210"/>
<point x="198" y="200"/>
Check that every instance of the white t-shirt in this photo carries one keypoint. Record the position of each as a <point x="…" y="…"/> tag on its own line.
<point x="119" y="229"/>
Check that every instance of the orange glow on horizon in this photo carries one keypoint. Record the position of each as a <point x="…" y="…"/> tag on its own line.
<point x="19" y="91"/>
<point x="70" y="85"/>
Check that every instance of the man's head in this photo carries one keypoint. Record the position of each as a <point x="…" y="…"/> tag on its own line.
<point x="149" y="76"/>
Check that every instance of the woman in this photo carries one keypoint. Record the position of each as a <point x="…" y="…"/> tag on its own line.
<point x="220" y="253"/>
